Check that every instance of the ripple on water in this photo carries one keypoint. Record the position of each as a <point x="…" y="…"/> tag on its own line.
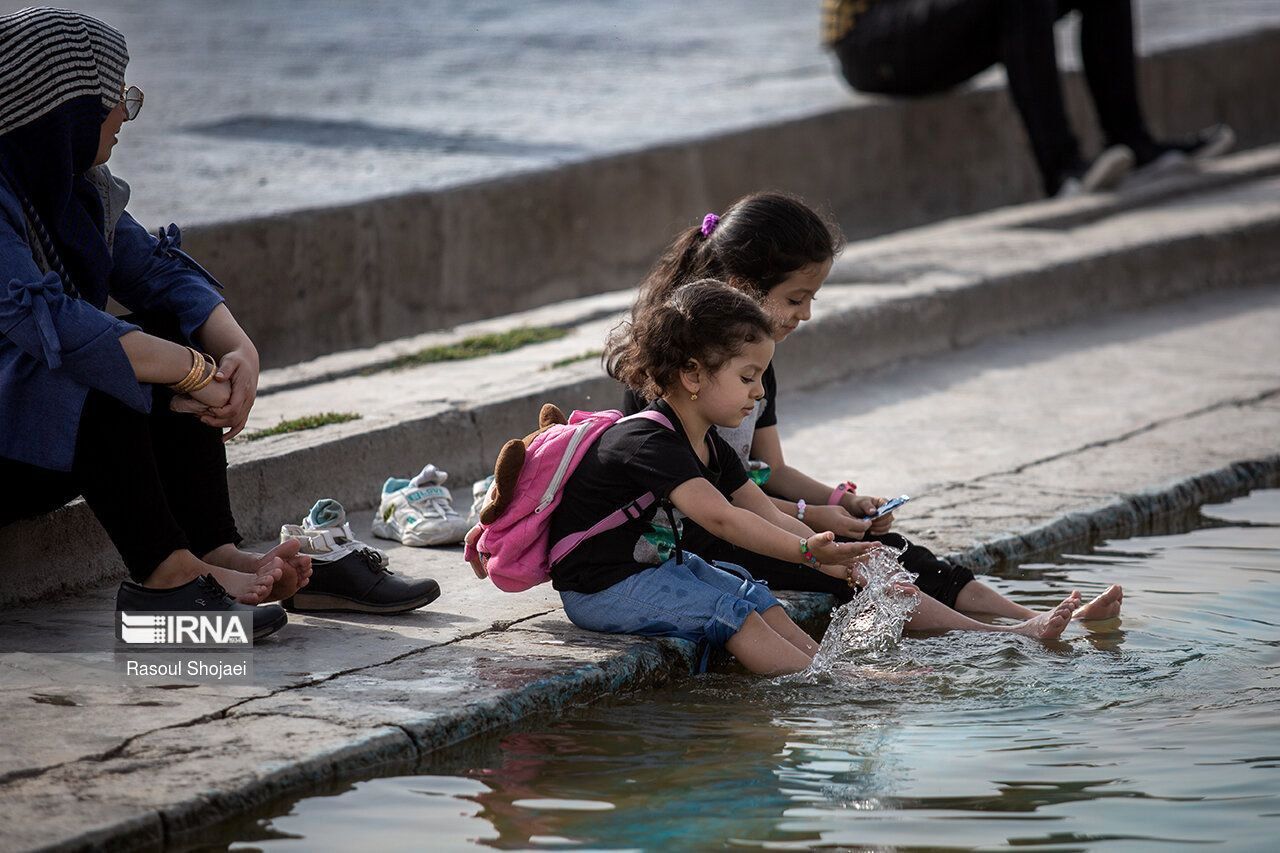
<point x="1152" y="731"/>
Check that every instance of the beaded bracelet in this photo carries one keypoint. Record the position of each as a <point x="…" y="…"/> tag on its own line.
<point x="806" y="554"/>
<point x="800" y="505"/>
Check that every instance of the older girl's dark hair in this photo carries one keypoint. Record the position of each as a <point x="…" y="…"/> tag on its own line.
<point x="706" y="321"/>
<point x="759" y="241"/>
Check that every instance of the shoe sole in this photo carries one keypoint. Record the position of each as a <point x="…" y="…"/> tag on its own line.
<point x="420" y="542"/>
<point x="310" y="602"/>
<point x="1108" y="170"/>
<point x="1222" y="142"/>
<point x="268" y="630"/>
<point x="385" y="531"/>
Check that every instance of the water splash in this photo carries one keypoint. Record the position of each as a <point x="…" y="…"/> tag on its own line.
<point x="866" y="629"/>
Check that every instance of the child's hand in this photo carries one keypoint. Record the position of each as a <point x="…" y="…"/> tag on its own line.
<point x="851" y="574"/>
<point x="837" y="520"/>
<point x="477" y="561"/>
<point x="864" y="505"/>
<point x="826" y="550"/>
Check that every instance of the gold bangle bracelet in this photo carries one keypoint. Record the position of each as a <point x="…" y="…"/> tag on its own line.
<point x="210" y="371"/>
<point x="192" y="375"/>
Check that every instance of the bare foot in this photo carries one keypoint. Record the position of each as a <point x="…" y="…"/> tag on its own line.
<point x="246" y="588"/>
<point x="1105" y="606"/>
<point x="182" y="567"/>
<point x="1051" y="624"/>
<point x="295" y="568"/>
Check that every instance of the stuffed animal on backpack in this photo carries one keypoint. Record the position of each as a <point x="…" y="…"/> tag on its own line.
<point x="506" y="471"/>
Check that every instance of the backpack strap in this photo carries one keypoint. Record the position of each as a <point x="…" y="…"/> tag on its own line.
<point x="651" y="415"/>
<point x="618" y="517"/>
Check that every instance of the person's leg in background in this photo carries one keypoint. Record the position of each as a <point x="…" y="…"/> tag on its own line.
<point x="1107" y="50"/>
<point x="923" y="46"/>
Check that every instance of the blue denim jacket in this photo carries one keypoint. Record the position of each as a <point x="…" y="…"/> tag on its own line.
<point x="55" y="347"/>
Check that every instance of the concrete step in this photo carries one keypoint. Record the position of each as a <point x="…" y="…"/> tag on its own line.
<point x="1116" y="425"/>
<point x="907" y="296"/>
<point x="399" y="263"/>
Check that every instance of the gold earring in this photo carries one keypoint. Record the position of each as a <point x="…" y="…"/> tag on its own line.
<point x="693" y="396"/>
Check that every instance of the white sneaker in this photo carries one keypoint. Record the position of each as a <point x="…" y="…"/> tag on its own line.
<point x="479" y="494"/>
<point x="326" y="534"/>
<point x="419" y="511"/>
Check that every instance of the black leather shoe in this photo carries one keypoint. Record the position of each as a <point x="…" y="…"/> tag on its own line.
<point x="357" y="582"/>
<point x="203" y="593"/>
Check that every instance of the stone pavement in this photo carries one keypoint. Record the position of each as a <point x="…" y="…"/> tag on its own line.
<point x="1012" y="448"/>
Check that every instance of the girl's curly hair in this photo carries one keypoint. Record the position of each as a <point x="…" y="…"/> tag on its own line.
<point x="706" y="321"/>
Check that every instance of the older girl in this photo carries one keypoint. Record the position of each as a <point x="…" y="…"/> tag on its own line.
<point x="774" y="248"/>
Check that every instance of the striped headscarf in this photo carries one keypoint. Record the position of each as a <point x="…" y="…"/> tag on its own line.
<point x="51" y="56"/>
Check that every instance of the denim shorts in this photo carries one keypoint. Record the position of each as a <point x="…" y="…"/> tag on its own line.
<point x="696" y="600"/>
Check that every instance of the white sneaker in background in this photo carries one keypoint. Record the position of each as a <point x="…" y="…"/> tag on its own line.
<point x="479" y="494"/>
<point x="326" y="534"/>
<point x="419" y="511"/>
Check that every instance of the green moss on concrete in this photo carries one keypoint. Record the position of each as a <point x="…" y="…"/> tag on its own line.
<point x="304" y="423"/>
<point x="476" y="347"/>
<point x="574" y="359"/>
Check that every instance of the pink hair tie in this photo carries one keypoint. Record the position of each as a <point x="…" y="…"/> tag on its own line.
<point x="709" y="223"/>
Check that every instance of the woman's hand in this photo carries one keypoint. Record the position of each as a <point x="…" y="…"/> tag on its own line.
<point x="861" y="506"/>
<point x="215" y="394"/>
<point x="837" y="520"/>
<point x="239" y="370"/>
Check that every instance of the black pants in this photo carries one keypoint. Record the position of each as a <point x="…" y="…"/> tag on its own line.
<point x="157" y="483"/>
<point x="938" y="579"/>
<point x="919" y="47"/>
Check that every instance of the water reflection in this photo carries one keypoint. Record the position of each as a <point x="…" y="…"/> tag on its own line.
<point x="1152" y="731"/>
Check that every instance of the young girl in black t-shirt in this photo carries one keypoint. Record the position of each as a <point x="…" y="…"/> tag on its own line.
<point x="776" y="249"/>
<point x="701" y="354"/>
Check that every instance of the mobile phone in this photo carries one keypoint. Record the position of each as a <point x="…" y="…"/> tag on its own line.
<point x="887" y="507"/>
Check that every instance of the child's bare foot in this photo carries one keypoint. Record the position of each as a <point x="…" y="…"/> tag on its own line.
<point x="1050" y="624"/>
<point x="1105" y="606"/>
<point x="295" y="568"/>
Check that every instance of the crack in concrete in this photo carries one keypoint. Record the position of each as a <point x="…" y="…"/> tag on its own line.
<point x="223" y="713"/>
<point x="962" y="485"/>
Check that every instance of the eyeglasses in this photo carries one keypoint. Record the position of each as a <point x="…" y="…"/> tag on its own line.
<point x="132" y="103"/>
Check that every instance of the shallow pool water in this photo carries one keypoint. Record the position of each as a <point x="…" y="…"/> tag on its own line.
<point x="1154" y="731"/>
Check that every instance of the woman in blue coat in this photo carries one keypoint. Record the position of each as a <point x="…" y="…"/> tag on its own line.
<point x="128" y="412"/>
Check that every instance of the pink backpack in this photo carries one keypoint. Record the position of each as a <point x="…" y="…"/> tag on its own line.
<point x="515" y="549"/>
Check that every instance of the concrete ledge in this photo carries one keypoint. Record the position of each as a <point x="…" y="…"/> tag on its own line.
<point x="906" y="296"/>
<point x="361" y="744"/>
<point x="356" y="275"/>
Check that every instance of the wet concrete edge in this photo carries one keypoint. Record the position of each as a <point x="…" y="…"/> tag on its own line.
<point x="653" y="663"/>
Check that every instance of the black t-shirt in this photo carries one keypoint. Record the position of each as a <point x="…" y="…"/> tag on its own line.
<point x="740" y="437"/>
<point x="629" y="459"/>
